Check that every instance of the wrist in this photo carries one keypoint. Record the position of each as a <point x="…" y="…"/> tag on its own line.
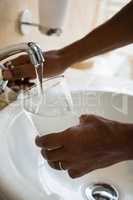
<point x="70" y="54"/>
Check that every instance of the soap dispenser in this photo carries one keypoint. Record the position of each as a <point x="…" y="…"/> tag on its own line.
<point x="52" y="14"/>
<point x="52" y="17"/>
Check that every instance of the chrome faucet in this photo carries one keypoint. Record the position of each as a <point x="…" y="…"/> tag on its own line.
<point x="32" y="49"/>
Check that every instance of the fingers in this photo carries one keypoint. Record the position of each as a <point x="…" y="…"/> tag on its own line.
<point x="7" y="75"/>
<point x="53" y="155"/>
<point x="23" y="71"/>
<point x="55" y="165"/>
<point x="21" y="60"/>
<point x="14" y="70"/>
<point x="51" y="141"/>
<point x="81" y="171"/>
<point x="74" y="173"/>
<point x="20" y="84"/>
<point x="20" y="69"/>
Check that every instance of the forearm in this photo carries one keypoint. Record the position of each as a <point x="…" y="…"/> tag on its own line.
<point x="115" y="33"/>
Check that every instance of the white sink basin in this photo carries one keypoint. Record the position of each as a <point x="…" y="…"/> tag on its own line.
<point x="20" y="162"/>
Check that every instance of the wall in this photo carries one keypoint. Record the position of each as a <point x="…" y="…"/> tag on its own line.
<point x="83" y="15"/>
<point x="79" y="22"/>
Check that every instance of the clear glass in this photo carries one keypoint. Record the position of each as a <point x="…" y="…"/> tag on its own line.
<point x="51" y="112"/>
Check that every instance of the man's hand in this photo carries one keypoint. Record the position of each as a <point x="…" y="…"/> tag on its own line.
<point x="54" y="65"/>
<point x="95" y="143"/>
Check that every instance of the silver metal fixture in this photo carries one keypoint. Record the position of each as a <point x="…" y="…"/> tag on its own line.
<point x="32" y="49"/>
<point x="48" y="31"/>
<point x="101" y="191"/>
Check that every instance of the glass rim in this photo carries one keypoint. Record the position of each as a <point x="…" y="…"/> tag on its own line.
<point x="27" y="96"/>
<point x="46" y="115"/>
<point x="25" y="92"/>
<point x="46" y="80"/>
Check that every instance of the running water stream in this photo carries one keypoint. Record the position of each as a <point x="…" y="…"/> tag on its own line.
<point x="39" y="78"/>
<point x="39" y="82"/>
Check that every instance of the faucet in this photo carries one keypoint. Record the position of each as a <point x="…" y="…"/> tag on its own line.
<point x="32" y="49"/>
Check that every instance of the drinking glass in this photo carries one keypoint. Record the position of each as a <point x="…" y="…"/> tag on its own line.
<point x="51" y="112"/>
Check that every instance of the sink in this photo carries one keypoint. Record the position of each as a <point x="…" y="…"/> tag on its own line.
<point x="20" y="168"/>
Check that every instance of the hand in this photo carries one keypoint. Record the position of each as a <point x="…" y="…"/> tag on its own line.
<point x="95" y="143"/>
<point x="18" y="85"/>
<point x="54" y="65"/>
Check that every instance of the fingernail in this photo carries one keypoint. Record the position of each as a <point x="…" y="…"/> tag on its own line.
<point x="37" y="140"/>
<point x="73" y="174"/>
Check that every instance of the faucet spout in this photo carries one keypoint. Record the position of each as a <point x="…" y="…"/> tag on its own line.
<point x="31" y="48"/>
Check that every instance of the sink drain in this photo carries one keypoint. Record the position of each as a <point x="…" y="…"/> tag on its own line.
<point x="101" y="191"/>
